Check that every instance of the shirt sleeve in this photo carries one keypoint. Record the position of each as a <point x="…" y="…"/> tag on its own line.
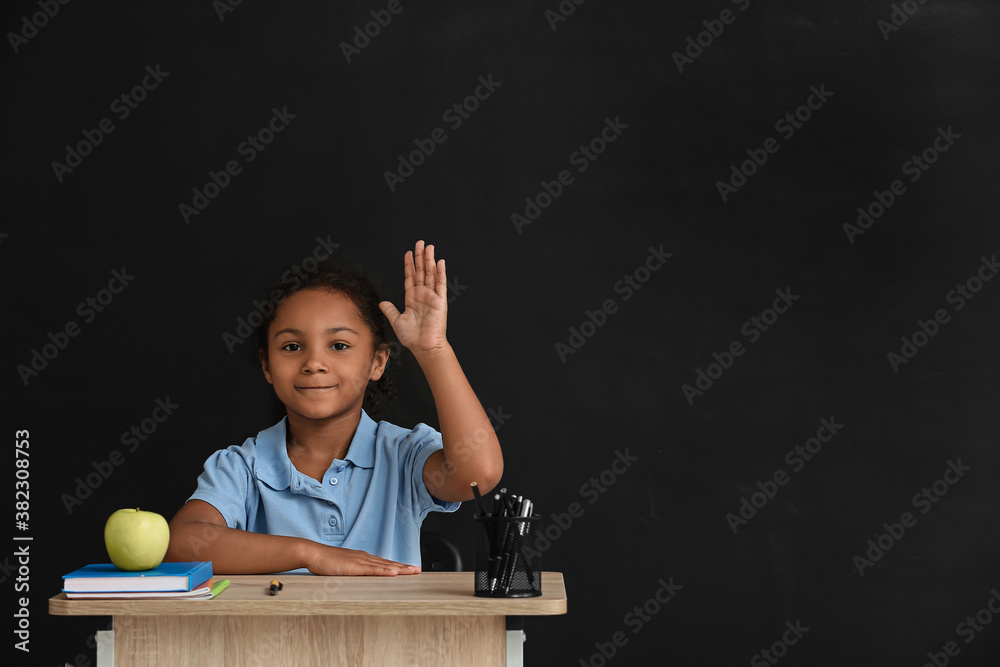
<point x="226" y="484"/>
<point x="414" y="495"/>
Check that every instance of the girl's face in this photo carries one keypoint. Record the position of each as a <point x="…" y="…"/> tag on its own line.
<point x="321" y="355"/>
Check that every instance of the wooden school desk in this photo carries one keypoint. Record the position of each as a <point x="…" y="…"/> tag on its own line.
<point x="431" y="618"/>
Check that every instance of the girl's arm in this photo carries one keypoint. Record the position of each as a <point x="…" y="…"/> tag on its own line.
<point x="198" y="532"/>
<point x="471" y="450"/>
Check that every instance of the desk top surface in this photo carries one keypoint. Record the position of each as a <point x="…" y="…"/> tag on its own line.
<point x="425" y="594"/>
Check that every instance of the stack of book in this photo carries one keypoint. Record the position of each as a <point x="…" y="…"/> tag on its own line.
<point x="191" y="581"/>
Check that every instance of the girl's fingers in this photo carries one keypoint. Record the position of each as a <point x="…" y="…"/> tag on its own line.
<point x="408" y="279"/>
<point x="389" y="563"/>
<point x="429" y="266"/>
<point x="420" y="268"/>
<point x="389" y="310"/>
<point x="418" y="258"/>
<point x="388" y="567"/>
<point x="441" y="286"/>
<point x="434" y="276"/>
<point x="400" y="567"/>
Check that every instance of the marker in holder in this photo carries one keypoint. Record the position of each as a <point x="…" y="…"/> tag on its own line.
<point x="507" y="563"/>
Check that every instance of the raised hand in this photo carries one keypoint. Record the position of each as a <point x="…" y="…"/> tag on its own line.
<point x="421" y="326"/>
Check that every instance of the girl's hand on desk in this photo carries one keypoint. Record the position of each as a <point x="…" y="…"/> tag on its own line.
<point x="336" y="561"/>
<point x="421" y="326"/>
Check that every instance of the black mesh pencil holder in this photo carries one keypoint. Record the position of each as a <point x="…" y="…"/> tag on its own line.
<point x="507" y="563"/>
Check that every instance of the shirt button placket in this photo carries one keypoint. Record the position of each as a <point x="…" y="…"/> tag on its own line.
<point x="334" y="521"/>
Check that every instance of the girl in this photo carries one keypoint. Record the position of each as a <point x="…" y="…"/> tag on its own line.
<point x="328" y="489"/>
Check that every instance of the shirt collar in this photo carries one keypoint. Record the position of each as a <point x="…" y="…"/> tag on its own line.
<point x="273" y="465"/>
<point x="362" y="450"/>
<point x="275" y="468"/>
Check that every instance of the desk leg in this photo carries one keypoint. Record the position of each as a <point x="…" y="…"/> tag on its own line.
<point x="106" y="648"/>
<point x="515" y="641"/>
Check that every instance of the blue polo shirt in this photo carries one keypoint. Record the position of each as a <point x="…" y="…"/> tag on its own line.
<point x="373" y="500"/>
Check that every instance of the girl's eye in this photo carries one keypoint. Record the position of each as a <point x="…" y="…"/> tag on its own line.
<point x="340" y="346"/>
<point x="289" y="347"/>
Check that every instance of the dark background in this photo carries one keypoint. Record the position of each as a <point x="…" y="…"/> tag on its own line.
<point x="518" y="292"/>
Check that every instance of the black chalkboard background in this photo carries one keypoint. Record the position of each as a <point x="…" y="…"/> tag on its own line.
<point x="885" y="82"/>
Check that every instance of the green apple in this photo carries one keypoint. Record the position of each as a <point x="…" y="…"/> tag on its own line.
<point x="136" y="540"/>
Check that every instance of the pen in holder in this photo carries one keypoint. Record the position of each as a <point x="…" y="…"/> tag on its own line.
<point x="507" y="564"/>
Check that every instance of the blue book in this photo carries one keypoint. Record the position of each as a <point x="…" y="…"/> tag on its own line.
<point x="108" y="578"/>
